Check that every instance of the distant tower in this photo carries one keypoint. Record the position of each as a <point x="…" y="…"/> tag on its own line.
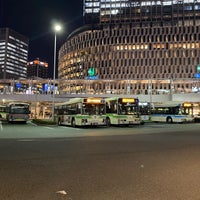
<point x="37" y="69"/>
<point x="13" y="54"/>
<point x="91" y="11"/>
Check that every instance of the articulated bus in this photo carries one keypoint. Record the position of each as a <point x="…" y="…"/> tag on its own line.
<point x="177" y="112"/>
<point x="122" y="111"/>
<point x="17" y="112"/>
<point x="81" y="112"/>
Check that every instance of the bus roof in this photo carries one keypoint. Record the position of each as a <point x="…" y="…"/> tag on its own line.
<point x="17" y="102"/>
<point x="167" y="104"/>
<point x="76" y="100"/>
<point x="116" y="98"/>
<point x="73" y="100"/>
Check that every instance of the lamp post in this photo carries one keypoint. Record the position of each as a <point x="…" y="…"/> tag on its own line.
<point x="57" y="28"/>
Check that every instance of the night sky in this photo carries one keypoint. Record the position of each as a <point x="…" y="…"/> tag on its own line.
<point x="35" y="18"/>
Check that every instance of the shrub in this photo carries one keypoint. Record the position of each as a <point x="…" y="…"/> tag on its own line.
<point x="43" y="122"/>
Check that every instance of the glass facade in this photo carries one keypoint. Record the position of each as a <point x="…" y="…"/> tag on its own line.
<point x="141" y="12"/>
<point x="13" y="54"/>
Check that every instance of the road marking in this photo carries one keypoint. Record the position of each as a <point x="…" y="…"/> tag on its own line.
<point x="32" y="123"/>
<point x="26" y="140"/>
<point x="78" y="129"/>
<point x="48" y="127"/>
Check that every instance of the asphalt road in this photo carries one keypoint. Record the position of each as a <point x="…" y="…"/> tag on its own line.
<point x="152" y="162"/>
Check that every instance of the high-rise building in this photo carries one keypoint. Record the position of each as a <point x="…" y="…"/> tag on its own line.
<point x="143" y="12"/>
<point x="134" y="46"/>
<point x="13" y="54"/>
<point x="91" y="11"/>
<point x="37" y="69"/>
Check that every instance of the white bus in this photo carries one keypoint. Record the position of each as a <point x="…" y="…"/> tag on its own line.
<point x="81" y="112"/>
<point x="177" y="112"/>
<point x="17" y="112"/>
<point x="122" y="111"/>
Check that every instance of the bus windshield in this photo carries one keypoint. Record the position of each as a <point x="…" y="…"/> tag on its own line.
<point x="127" y="109"/>
<point x="122" y="106"/>
<point x="19" y="109"/>
<point x="186" y="111"/>
<point x="93" y="109"/>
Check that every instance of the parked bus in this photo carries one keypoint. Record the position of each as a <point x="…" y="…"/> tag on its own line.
<point x="122" y="111"/>
<point x="170" y="112"/>
<point x="81" y="112"/>
<point x="17" y="112"/>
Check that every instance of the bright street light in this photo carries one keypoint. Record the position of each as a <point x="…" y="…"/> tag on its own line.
<point x="57" y="28"/>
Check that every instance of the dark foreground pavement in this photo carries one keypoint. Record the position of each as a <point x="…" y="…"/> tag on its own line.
<point x="153" y="166"/>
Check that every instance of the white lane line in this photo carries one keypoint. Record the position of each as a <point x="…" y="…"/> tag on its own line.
<point x="48" y="127"/>
<point x="78" y="129"/>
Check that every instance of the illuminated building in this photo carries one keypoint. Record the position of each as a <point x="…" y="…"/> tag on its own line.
<point x="140" y="47"/>
<point x="37" y="69"/>
<point x="13" y="54"/>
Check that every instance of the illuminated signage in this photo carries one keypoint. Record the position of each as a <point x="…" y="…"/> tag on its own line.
<point x="91" y="71"/>
<point x="92" y="77"/>
<point x="128" y="100"/>
<point x="197" y="75"/>
<point x="91" y="74"/>
<point x="187" y="105"/>
<point x="37" y="62"/>
<point x="18" y="85"/>
<point x="198" y="68"/>
<point x="94" y="100"/>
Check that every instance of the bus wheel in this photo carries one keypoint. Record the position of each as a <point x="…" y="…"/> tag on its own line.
<point x="142" y="122"/>
<point x="169" y="120"/>
<point x="73" y="123"/>
<point x="108" y="122"/>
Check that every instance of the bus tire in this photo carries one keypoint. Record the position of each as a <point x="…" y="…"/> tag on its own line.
<point x="169" y="120"/>
<point x="108" y="122"/>
<point x="73" y="123"/>
<point x="142" y="123"/>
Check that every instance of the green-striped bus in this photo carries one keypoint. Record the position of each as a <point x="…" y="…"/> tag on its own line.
<point x="81" y="112"/>
<point x="122" y="111"/>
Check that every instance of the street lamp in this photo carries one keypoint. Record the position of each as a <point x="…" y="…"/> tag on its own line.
<point x="57" y="28"/>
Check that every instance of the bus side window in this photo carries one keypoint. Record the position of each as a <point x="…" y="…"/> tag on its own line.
<point x="107" y="108"/>
<point x="177" y="111"/>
